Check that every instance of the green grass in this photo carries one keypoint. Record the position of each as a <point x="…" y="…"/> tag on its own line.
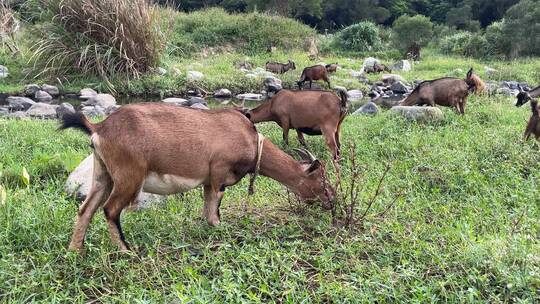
<point x="466" y="229"/>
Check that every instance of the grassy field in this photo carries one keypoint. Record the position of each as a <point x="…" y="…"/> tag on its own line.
<point x="466" y="228"/>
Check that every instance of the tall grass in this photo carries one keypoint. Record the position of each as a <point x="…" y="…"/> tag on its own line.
<point x="105" y="38"/>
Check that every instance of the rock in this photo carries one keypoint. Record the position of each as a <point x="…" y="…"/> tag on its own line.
<point x="420" y="114"/>
<point x="194" y="76"/>
<point x="51" y="90"/>
<point x="93" y="111"/>
<point x="388" y="102"/>
<point x="355" y="95"/>
<point x="3" y="72"/>
<point x="356" y="74"/>
<point x="87" y="93"/>
<point x="272" y="84"/>
<point x="399" y="88"/>
<point x="250" y="96"/>
<point x="195" y="100"/>
<point x="491" y="87"/>
<point x="42" y="96"/>
<point x="223" y="93"/>
<point x="4" y="111"/>
<point x="18" y="115"/>
<point x="104" y="101"/>
<point x="17" y="103"/>
<point x="402" y="65"/>
<point x="30" y="90"/>
<point x="42" y="110"/>
<point x="3" y="99"/>
<point x="161" y="71"/>
<point x="490" y="72"/>
<point x="507" y="91"/>
<point x="369" y="108"/>
<point x="251" y="75"/>
<point x="80" y="180"/>
<point x="199" y="106"/>
<point x="370" y="61"/>
<point x="64" y="108"/>
<point x="389" y="79"/>
<point x="510" y="84"/>
<point x="176" y="101"/>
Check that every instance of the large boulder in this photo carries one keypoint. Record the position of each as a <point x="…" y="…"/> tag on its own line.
<point x="93" y="111"/>
<point x="399" y="88"/>
<point x="355" y="95"/>
<point x="199" y="106"/>
<point x="222" y="93"/>
<point x="402" y="65"/>
<point x="42" y="110"/>
<point x="80" y="180"/>
<point x="370" y="61"/>
<point x="195" y="100"/>
<point x="419" y="114"/>
<point x="17" y="103"/>
<point x="105" y="101"/>
<point x="30" y="90"/>
<point x="19" y="115"/>
<point x="176" y="101"/>
<point x="51" y="90"/>
<point x="63" y="109"/>
<point x="389" y="79"/>
<point x="87" y="93"/>
<point x="3" y="72"/>
<point x="272" y="84"/>
<point x="194" y="75"/>
<point x="42" y="96"/>
<point x="369" y="108"/>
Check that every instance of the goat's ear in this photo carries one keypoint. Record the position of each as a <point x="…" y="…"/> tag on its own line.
<point x="470" y="73"/>
<point x="316" y="164"/>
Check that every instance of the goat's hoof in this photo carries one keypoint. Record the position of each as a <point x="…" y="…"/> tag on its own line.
<point x="214" y="222"/>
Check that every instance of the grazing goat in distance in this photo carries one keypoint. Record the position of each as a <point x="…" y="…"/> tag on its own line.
<point x="533" y="126"/>
<point x="165" y="149"/>
<point x="377" y="68"/>
<point x="332" y="68"/>
<point x="525" y="96"/>
<point x="280" y="68"/>
<point x="448" y="92"/>
<point x="308" y="112"/>
<point x="316" y="72"/>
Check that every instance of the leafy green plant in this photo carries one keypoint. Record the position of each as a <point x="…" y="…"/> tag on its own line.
<point x="363" y="36"/>
<point x="412" y="30"/>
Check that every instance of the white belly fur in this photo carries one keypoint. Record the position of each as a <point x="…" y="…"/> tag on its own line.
<point x="168" y="184"/>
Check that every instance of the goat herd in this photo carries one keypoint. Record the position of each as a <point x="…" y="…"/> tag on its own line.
<point x="166" y="149"/>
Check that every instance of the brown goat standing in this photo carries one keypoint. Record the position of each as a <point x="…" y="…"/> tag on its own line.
<point x="448" y="92"/>
<point x="332" y="68"/>
<point x="166" y="149"/>
<point x="280" y="68"/>
<point x="533" y="126"/>
<point x="316" y="72"/>
<point x="308" y="112"/>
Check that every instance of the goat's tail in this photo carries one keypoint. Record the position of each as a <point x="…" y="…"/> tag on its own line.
<point x="344" y="100"/>
<point x="77" y="121"/>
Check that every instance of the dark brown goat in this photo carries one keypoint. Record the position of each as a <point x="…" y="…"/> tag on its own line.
<point x="533" y="126"/>
<point x="308" y="112"/>
<point x="332" y="67"/>
<point x="525" y="96"/>
<point x="280" y="68"/>
<point x="448" y="92"/>
<point x="166" y="149"/>
<point x="377" y="68"/>
<point x="316" y="72"/>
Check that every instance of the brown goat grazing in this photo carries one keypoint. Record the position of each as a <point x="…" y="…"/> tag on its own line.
<point x="166" y="149"/>
<point x="280" y="68"/>
<point x="525" y="96"/>
<point x="448" y="92"/>
<point x="332" y="68"/>
<point x="533" y="126"/>
<point x="308" y="112"/>
<point x="316" y="72"/>
<point x="377" y="68"/>
<point x="479" y="84"/>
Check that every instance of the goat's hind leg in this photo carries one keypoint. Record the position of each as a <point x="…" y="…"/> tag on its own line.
<point x="100" y="189"/>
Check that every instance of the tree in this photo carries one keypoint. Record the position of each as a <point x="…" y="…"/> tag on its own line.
<point x="415" y="31"/>
<point x="521" y="27"/>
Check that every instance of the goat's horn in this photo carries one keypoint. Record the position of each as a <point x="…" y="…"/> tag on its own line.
<point x="305" y="155"/>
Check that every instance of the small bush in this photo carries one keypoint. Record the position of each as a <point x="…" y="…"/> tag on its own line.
<point x="496" y="40"/>
<point x="252" y="33"/>
<point x="466" y="44"/>
<point x="100" y="37"/>
<point x="362" y="37"/>
<point x="412" y="30"/>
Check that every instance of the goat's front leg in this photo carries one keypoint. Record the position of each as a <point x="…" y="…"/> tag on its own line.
<point x="212" y="200"/>
<point x="301" y="139"/>
<point x="285" y="126"/>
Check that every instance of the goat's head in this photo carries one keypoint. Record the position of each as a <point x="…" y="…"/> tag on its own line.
<point x="315" y="185"/>
<point x="471" y="83"/>
<point x="292" y="65"/>
<point x="523" y="96"/>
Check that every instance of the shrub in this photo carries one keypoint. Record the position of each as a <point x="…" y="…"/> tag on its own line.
<point x="253" y="32"/>
<point x="362" y="37"/>
<point x="100" y="37"/>
<point x="520" y="29"/>
<point x="496" y="40"/>
<point x="466" y="44"/>
<point x="412" y="30"/>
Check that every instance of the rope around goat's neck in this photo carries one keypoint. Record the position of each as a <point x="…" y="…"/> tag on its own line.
<point x="260" y="143"/>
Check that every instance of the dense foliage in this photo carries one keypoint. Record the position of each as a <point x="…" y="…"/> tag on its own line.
<point x="416" y="30"/>
<point x="363" y="37"/>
